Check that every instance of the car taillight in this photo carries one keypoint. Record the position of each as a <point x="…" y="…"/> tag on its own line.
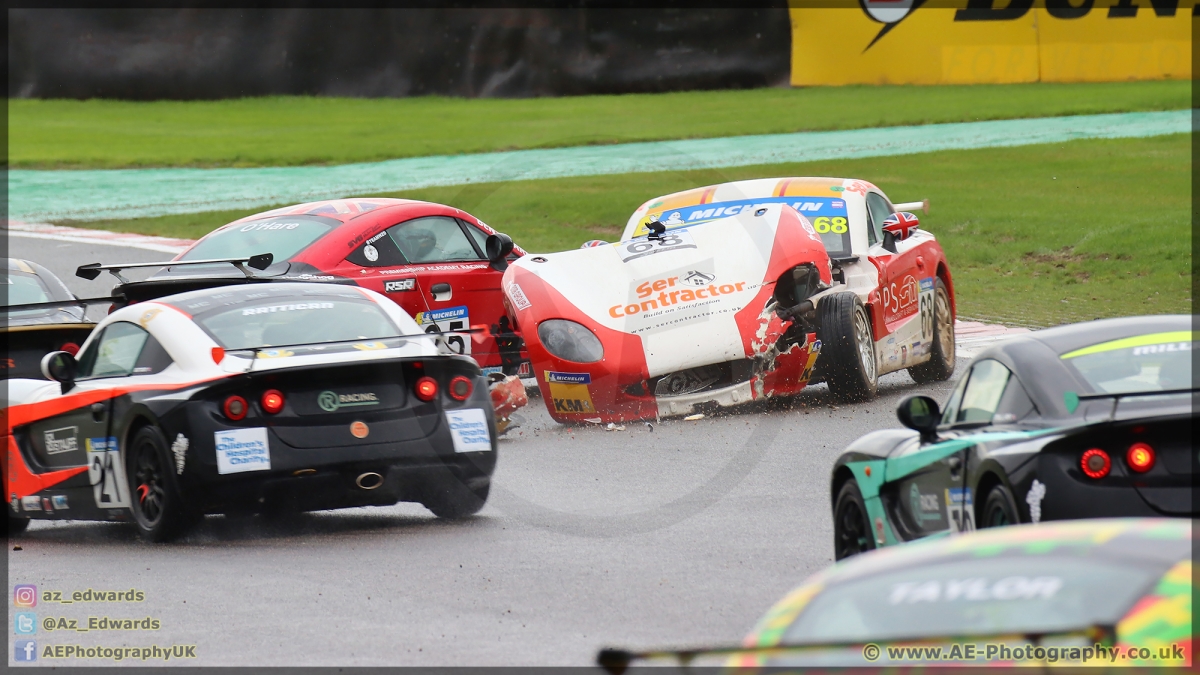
<point x="235" y="408"/>
<point x="70" y="348"/>
<point x="1140" y="457"/>
<point x="1095" y="463"/>
<point x="460" y="388"/>
<point x="272" y="401"/>
<point x="426" y="388"/>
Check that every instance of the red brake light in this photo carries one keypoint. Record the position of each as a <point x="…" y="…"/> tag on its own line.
<point x="70" y="348"/>
<point x="272" y="401"/>
<point x="460" y="388"/>
<point x="235" y="408"/>
<point x="426" y="388"/>
<point x="1140" y="457"/>
<point x="1095" y="463"/>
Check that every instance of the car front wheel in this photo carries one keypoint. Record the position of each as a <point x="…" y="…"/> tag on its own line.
<point x="847" y="347"/>
<point x="999" y="509"/>
<point x="851" y="525"/>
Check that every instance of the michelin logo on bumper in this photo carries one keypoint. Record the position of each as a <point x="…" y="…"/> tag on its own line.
<point x="241" y="450"/>
<point x="469" y="430"/>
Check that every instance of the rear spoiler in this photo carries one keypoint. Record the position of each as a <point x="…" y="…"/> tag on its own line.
<point x="912" y="206"/>
<point x="78" y="302"/>
<point x="616" y="661"/>
<point x="92" y="270"/>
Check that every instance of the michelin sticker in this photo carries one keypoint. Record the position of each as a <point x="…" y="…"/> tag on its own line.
<point x="445" y="321"/>
<point x="241" y="450"/>
<point x="469" y="430"/>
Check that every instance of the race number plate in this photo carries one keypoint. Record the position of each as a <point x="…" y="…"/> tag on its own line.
<point x="447" y="320"/>
<point x="640" y="248"/>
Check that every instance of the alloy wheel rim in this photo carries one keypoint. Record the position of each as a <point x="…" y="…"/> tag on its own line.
<point x="945" y="326"/>
<point x="853" y="536"/>
<point x="862" y="335"/>
<point x="149" y="493"/>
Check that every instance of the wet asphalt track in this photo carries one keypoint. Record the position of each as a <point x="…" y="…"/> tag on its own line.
<point x="681" y="535"/>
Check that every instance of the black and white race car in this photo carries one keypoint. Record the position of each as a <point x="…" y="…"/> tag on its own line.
<point x="249" y="398"/>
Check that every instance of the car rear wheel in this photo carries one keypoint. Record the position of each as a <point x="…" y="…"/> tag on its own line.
<point x="158" y="509"/>
<point x="847" y="347"/>
<point x="940" y="365"/>
<point x="851" y="525"/>
<point x="999" y="509"/>
<point x="453" y="499"/>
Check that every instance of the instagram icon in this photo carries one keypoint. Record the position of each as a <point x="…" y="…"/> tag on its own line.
<point x="25" y="595"/>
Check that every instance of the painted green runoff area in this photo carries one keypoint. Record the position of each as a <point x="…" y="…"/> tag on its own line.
<point x="290" y="131"/>
<point x="1036" y="235"/>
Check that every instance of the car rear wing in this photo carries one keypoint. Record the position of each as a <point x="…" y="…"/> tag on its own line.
<point x="57" y="304"/>
<point x="913" y="206"/>
<point x="92" y="270"/>
<point x="616" y="661"/>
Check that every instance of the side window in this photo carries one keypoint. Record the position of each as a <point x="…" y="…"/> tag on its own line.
<point x="477" y="234"/>
<point x="1015" y="404"/>
<point x="877" y="212"/>
<point x="981" y="397"/>
<point x="377" y="251"/>
<point x="116" y="353"/>
<point x="153" y="359"/>
<point x="433" y="239"/>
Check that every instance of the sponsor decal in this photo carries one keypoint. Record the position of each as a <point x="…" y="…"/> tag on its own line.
<point x="976" y="588"/>
<point x="369" y="346"/>
<point x="1162" y="349"/>
<point x="106" y="473"/>
<point x="445" y="321"/>
<point x="148" y="316"/>
<point x="359" y="429"/>
<point x="569" y="392"/>
<point x="927" y="284"/>
<point x="469" y="430"/>
<point x="1037" y="492"/>
<point x="179" y="448"/>
<point x="900" y="299"/>
<point x="377" y="237"/>
<point x="961" y="509"/>
<point x="60" y="502"/>
<point x="268" y="226"/>
<point x="241" y="450"/>
<point x="568" y="378"/>
<point x="370" y="253"/>
<point x="65" y="439"/>
<point x="640" y="248"/>
<point x="517" y="296"/>
<point x="31" y="503"/>
<point x="286" y="308"/>
<point x="647" y="301"/>
<point x="15" y="503"/>
<point x="330" y="401"/>
<point x="275" y="353"/>
<point x="46" y="505"/>
<point x="524" y="370"/>
<point x="399" y="285"/>
<point x="837" y="204"/>
<point x="924" y="507"/>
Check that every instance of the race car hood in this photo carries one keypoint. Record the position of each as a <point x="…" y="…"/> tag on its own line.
<point x="695" y="297"/>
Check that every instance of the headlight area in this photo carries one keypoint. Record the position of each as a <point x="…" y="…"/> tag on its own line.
<point x="570" y="341"/>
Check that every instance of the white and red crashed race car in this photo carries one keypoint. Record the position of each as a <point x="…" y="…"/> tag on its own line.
<point x="727" y="294"/>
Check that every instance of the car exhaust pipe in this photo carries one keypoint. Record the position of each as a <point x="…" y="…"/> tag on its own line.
<point x="369" y="480"/>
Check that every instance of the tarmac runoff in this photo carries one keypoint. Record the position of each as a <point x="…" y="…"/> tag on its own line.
<point x="134" y="193"/>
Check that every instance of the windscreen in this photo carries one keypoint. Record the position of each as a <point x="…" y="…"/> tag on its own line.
<point x="25" y="289"/>
<point x="282" y="237"/>
<point x="827" y="215"/>
<point x="1153" y="362"/>
<point x="270" y="319"/>
<point x="975" y="597"/>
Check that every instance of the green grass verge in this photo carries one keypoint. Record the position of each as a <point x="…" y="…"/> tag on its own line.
<point x="284" y="131"/>
<point x="1036" y="235"/>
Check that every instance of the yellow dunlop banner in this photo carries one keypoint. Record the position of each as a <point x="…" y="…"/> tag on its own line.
<point x="990" y="41"/>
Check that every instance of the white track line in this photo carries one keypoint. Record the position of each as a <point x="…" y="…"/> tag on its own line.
<point x="16" y="228"/>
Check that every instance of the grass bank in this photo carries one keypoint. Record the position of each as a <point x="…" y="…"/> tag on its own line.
<point x="1036" y="235"/>
<point x="289" y="131"/>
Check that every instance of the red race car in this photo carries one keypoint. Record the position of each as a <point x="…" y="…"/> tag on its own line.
<point x="731" y="293"/>
<point x="442" y="265"/>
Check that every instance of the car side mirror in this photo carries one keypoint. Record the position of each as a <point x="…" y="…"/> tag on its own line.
<point x="60" y="367"/>
<point x="920" y="413"/>
<point x="497" y="247"/>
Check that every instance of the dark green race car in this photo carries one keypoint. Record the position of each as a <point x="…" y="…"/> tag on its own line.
<point x="1080" y="421"/>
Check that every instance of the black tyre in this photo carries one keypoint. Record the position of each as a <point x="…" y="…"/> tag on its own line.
<point x="847" y="347"/>
<point x="851" y="525"/>
<point x="158" y="508"/>
<point x="452" y="499"/>
<point x="940" y="365"/>
<point x="999" y="509"/>
<point x="16" y="524"/>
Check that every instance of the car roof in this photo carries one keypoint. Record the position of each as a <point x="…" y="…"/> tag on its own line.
<point x="58" y="290"/>
<point x="1034" y="357"/>
<point x="230" y="295"/>
<point x="1153" y="542"/>
<point x="343" y="210"/>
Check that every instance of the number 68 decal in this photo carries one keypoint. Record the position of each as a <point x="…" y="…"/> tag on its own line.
<point x="825" y="224"/>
